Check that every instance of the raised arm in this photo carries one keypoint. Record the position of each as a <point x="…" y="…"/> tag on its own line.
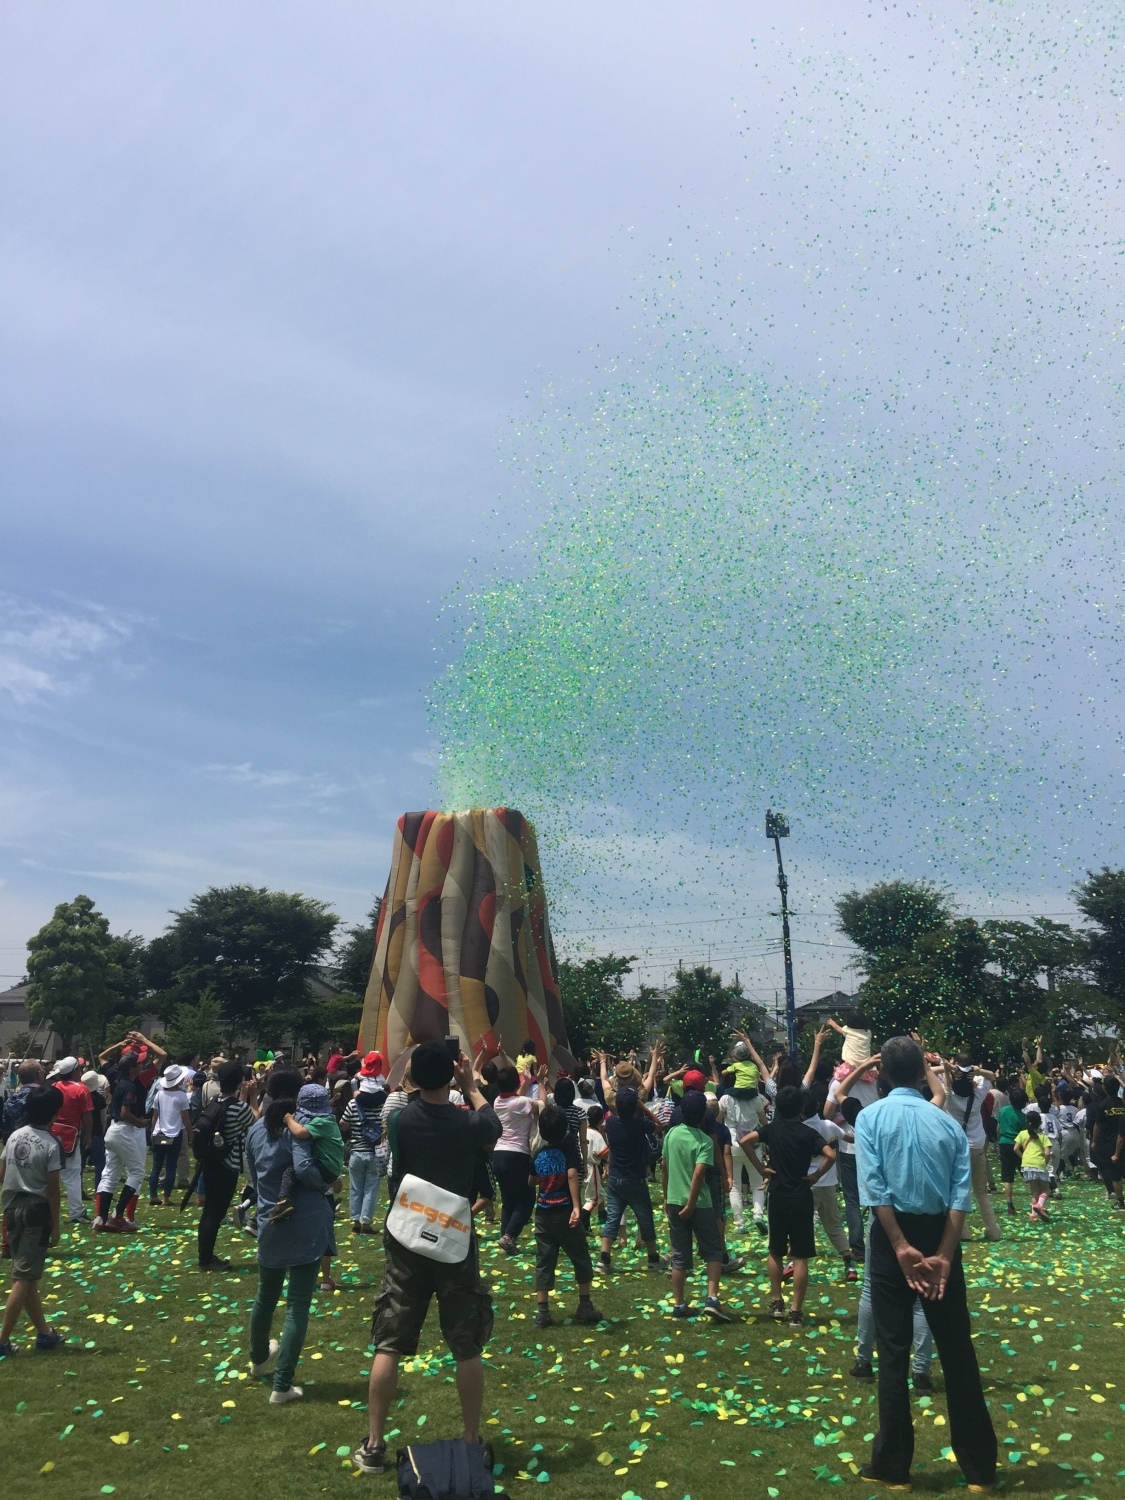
<point x="653" y="1063"/>
<point x="844" y="1089"/>
<point x="818" y="1042"/>
<point x="937" y="1086"/>
<point x="835" y="1025"/>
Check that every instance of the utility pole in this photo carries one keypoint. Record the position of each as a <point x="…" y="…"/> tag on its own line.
<point x="777" y="828"/>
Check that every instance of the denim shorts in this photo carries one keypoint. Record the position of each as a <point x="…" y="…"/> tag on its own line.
<point x="629" y="1192"/>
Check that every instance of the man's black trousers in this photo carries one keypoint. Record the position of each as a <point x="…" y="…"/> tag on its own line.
<point x="892" y="1302"/>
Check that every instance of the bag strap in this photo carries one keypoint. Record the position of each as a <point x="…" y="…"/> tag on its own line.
<point x="972" y="1099"/>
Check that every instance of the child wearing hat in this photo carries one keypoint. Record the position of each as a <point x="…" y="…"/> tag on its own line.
<point x="315" y="1123"/>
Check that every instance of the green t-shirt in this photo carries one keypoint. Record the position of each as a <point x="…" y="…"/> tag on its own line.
<point x="745" y="1074"/>
<point x="684" y="1148"/>
<point x="327" y="1143"/>
<point x="1009" y="1125"/>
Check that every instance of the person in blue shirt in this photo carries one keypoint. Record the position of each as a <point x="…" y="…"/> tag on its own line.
<point x="912" y="1163"/>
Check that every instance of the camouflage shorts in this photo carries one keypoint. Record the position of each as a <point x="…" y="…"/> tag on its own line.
<point x="409" y="1283"/>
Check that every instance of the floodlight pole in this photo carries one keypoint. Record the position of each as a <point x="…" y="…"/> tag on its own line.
<point x="777" y="828"/>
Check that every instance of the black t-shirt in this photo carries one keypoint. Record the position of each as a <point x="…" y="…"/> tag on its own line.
<point x="439" y="1143"/>
<point x="97" y="1125"/>
<point x="1109" y="1116"/>
<point x="130" y="1094"/>
<point x="629" y="1153"/>
<point x="793" y="1146"/>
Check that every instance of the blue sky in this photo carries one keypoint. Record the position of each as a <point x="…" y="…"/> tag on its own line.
<point x="276" y="282"/>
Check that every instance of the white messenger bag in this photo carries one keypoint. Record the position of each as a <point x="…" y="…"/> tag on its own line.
<point x="431" y="1222"/>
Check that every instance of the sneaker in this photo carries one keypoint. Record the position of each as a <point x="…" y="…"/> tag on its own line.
<point x="715" y="1310"/>
<point x="327" y="1284"/>
<point x="366" y="1228"/>
<point x="127" y="1226"/>
<point x="586" y="1312"/>
<point x="49" y="1340"/>
<point x="603" y="1265"/>
<point x="733" y="1263"/>
<point x="684" y="1310"/>
<point x="850" y="1272"/>
<point x="761" y="1225"/>
<point x="281" y="1210"/>
<point x="862" y="1371"/>
<point x="371" y="1460"/>
<point x="777" y="1311"/>
<point x="283" y="1398"/>
<point x="657" y="1263"/>
<point x="923" y="1385"/>
<point x="888" y="1484"/>
<point x="543" y="1317"/>
<point x="240" y="1215"/>
<point x="8" y="1351"/>
<point x="796" y="1318"/>
<point x="1011" y="1209"/>
<point x="216" y="1263"/>
<point x="357" y="1227"/>
<point x="99" y="1226"/>
<point x="267" y="1364"/>
<point x="508" y="1244"/>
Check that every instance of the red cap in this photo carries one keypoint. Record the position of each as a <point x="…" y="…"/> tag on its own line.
<point x="694" y="1079"/>
<point x="372" y="1065"/>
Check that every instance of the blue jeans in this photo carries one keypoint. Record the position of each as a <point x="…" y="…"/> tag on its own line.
<point x="628" y="1192"/>
<point x="364" y="1172"/>
<point x="865" y="1338"/>
<point x="164" y="1159"/>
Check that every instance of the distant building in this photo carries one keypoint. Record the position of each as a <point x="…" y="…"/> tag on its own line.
<point x="15" y="1022"/>
<point x="818" y="1011"/>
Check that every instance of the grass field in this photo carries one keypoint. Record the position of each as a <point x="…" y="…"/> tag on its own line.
<point x="152" y="1395"/>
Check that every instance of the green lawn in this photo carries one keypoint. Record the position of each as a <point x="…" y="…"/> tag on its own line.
<point x="152" y="1396"/>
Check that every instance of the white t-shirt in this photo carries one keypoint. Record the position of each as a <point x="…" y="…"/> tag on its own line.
<point x="956" y="1106"/>
<point x="740" y="1116"/>
<point x="831" y="1133"/>
<point x="29" y="1155"/>
<point x="597" y="1148"/>
<point x="167" y="1112"/>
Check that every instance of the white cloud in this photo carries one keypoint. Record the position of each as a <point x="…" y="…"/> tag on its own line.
<point x="40" y="649"/>
<point x="245" y="774"/>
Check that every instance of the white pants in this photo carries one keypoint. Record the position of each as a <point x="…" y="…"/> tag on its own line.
<point x="71" y="1176"/>
<point x="126" y="1151"/>
<point x="739" y="1161"/>
<point x="828" y="1212"/>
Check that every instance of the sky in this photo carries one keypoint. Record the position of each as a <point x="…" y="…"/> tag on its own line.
<point x="279" y="289"/>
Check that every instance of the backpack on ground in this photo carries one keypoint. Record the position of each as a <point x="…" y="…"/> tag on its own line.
<point x="451" y="1470"/>
<point x="371" y="1120"/>
<point x="208" y="1144"/>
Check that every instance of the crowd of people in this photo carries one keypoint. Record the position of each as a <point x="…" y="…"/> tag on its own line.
<point x="888" y="1150"/>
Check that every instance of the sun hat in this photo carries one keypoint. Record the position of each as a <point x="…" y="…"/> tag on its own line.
<point x="173" y="1076"/>
<point x="313" y="1099"/>
<point x="372" y="1065"/>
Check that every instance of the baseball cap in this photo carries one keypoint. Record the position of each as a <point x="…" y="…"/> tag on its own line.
<point x="694" y="1079"/>
<point x="64" y="1066"/>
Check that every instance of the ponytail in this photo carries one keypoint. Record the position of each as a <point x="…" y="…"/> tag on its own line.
<point x="1033" y="1123"/>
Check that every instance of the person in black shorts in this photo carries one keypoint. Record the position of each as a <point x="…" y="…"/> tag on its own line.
<point x="793" y="1146"/>
<point x="1106" y="1119"/>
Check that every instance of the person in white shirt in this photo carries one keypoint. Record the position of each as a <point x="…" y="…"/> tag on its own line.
<point x="825" y="1199"/>
<point x="741" y="1116"/>
<point x="968" y="1087"/>
<point x="171" y="1117"/>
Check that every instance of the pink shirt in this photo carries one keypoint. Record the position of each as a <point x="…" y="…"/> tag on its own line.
<point x="517" y="1115"/>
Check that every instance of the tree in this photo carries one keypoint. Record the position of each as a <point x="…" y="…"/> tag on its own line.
<point x="892" y="915"/>
<point x="700" y="1012"/>
<point x="251" y="948"/>
<point x="195" y="1028"/>
<point x="356" y="953"/>
<point x="81" y="974"/>
<point x="1101" y="897"/>
<point x="596" y="1010"/>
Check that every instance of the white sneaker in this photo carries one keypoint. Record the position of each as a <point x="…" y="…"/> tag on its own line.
<point x="267" y="1364"/>
<point x="283" y="1398"/>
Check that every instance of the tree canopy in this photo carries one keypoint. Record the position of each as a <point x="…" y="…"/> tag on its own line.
<point x="81" y="973"/>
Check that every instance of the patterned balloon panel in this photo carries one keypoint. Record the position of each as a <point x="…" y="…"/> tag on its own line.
<point x="463" y="945"/>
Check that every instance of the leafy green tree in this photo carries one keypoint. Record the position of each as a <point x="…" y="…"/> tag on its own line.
<point x="196" y="1028"/>
<point x="81" y="973"/>
<point x="1101" y="897"/>
<point x="356" y="953"/>
<point x="700" y="1012"/>
<point x="893" y="915"/>
<point x="596" y="1010"/>
<point x="251" y="948"/>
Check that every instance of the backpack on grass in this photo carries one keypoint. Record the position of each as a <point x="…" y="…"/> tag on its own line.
<point x="450" y="1470"/>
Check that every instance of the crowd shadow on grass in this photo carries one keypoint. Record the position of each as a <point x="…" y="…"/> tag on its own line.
<point x="946" y="1479"/>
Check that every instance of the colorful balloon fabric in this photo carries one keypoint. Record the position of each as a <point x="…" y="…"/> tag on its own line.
<point x="463" y="945"/>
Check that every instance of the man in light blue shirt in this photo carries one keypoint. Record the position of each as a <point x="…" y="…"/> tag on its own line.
<point x="912" y="1162"/>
